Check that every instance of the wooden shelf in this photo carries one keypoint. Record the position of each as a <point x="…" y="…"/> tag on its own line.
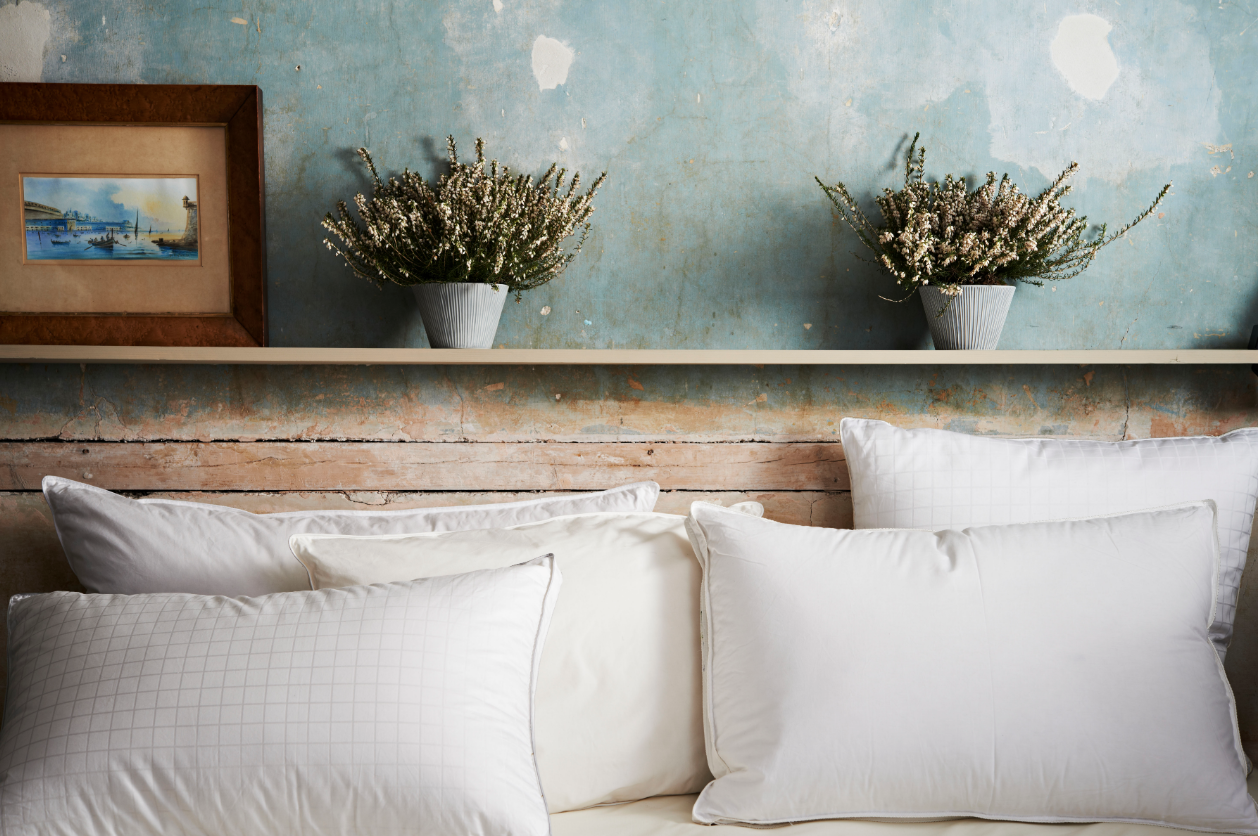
<point x="614" y="356"/>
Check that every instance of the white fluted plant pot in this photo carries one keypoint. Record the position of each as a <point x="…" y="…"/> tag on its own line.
<point x="972" y="320"/>
<point x="459" y="315"/>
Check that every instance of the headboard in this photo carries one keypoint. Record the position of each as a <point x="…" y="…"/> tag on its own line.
<point x="802" y="483"/>
<point x="268" y="439"/>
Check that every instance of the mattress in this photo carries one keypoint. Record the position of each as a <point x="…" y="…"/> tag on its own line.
<point x="671" y="816"/>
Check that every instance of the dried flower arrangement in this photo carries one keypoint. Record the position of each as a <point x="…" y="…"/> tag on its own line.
<point x="474" y="225"/>
<point x="943" y="235"/>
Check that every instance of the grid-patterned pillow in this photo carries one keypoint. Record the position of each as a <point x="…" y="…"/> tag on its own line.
<point x="933" y="479"/>
<point x="387" y="709"/>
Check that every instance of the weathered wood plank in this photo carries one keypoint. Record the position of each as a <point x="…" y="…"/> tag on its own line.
<point x="610" y="404"/>
<point x="368" y="466"/>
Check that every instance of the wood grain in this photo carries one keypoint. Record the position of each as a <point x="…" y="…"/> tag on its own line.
<point x="393" y="466"/>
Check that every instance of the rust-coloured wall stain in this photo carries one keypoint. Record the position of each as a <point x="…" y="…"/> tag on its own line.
<point x="137" y="403"/>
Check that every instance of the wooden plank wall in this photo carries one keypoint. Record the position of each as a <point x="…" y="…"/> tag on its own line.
<point x="272" y="439"/>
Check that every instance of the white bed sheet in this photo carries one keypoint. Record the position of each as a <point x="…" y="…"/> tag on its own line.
<point x="671" y="816"/>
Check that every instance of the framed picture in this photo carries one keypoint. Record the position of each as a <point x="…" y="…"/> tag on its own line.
<point x="132" y="214"/>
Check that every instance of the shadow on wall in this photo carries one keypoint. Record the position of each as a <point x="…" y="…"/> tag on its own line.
<point x="390" y="311"/>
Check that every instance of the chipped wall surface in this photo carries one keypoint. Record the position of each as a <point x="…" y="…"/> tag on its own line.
<point x="24" y="31"/>
<point x="712" y="119"/>
<point x="610" y="403"/>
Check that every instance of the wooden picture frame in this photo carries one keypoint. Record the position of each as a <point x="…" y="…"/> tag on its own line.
<point x="241" y="317"/>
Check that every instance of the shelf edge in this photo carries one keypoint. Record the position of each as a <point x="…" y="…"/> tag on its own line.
<point x="709" y="357"/>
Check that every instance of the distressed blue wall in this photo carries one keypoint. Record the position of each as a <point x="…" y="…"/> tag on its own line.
<point x="712" y="119"/>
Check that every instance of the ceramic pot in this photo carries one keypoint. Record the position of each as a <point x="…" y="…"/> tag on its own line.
<point x="458" y="315"/>
<point x="972" y="320"/>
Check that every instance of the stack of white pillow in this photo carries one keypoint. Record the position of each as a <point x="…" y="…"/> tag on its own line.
<point x="1032" y="631"/>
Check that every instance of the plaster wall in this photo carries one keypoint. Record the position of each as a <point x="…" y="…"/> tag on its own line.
<point x="712" y="119"/>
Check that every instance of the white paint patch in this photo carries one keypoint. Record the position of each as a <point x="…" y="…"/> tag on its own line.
<point x="24" y="32"/>
<point x="551" y="60"/>
<point x="498" y="6"/>
<point x="564" y="143"/>
<point x="1000" y="52"/>
<point x="1081" y="53"/>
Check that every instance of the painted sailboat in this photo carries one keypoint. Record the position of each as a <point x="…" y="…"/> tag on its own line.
<point x="106" y="241"/>
<point x="58" y="228"/>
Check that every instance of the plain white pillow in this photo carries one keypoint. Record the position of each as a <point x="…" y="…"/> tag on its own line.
<point x="389" y="709"/>
<point x="618" y="707"/>
<point x="934" y="479"/>
<point x="120" y="545"/>
<point x="1042" y="672"/>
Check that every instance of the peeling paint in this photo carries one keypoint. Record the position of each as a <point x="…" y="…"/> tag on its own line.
<point x="137" y="403"/>
<point x="25" y="28"/>
<point x="1080" y="52"/>
<point x="550" y="60"/>
<point x="679" y="256"/>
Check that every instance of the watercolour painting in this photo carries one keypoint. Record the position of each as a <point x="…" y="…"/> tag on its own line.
<point x="76" y="218"/>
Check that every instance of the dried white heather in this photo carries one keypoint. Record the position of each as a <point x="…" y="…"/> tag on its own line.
<point x="473" y="225"/>
<point x="943" y="235"/>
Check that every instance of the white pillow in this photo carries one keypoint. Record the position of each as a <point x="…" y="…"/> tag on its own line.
<point x="933" y="479"/>
<point x="390" y="709"/>
<point x="1042" y="672"/>
<point x="120" y="545"/>
<point x="618" y="708"/>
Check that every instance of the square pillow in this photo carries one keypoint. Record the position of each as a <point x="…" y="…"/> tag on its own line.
<point x="391" y="709"/>
<point x="618" y="706"/>
<point x="1040" y="672"/>
<point x="933" y="479"/>
<point x="119" y="545"/>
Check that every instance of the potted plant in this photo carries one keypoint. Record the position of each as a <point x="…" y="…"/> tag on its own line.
<point x="963" y="251"/>
<point x="463" y="243"/>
